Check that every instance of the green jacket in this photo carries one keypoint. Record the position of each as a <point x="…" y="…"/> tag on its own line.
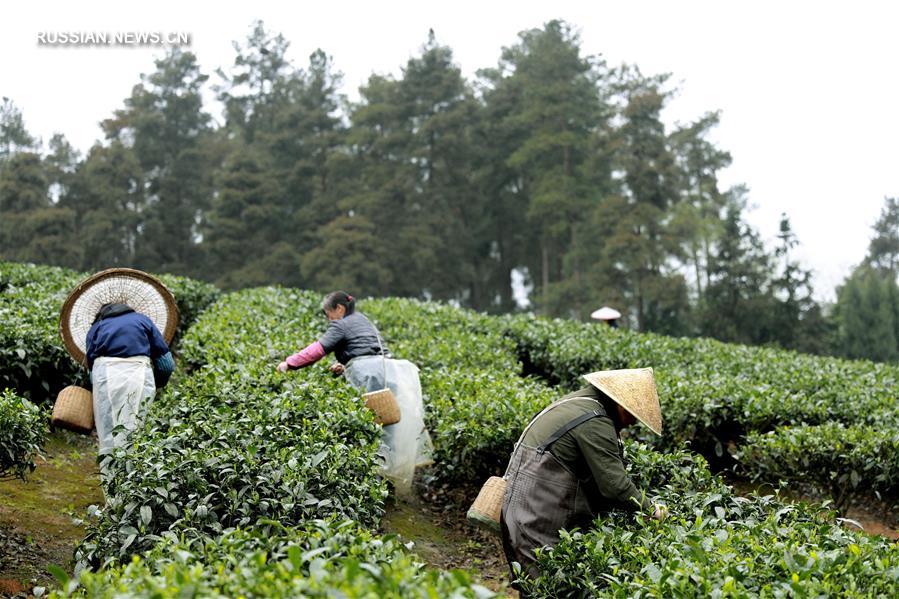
<point x="590" y="451"/>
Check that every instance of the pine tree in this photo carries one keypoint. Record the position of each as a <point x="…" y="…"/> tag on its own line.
<point x="697" y="218"/>
<point x="639" y="242"/>
<point x="738" y="301"/>
<point x="32" y="229"/>
<point x="883" y="251"/>
<point x="14" y="137"/>
<point x="555" y="111"/>
<point x="165" y="125"/>
<point x="106" y="195"/>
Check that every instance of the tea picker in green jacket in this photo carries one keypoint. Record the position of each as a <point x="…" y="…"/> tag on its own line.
<point x="568" y="465"/>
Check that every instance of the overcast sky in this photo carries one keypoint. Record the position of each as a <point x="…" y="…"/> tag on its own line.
<point x="808" y="90"/>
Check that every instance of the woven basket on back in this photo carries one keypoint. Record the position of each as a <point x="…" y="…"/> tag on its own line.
<point x="74" y="410"/>
<point x="142" y="292"/>
<point x="383" y="404"/>
<point x="485" y="510"/>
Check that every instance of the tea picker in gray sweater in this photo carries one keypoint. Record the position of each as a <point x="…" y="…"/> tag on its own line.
<point x="363" y="358"/>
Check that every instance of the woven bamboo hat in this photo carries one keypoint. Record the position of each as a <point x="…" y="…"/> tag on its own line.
<point x="142" y="292"/>
<point x="634" y="390"/>
<point x="606" y="313"/>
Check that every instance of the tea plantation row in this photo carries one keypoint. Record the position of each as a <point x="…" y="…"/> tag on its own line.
<point x="825" y="421"/>
<point x="23" y="427"/>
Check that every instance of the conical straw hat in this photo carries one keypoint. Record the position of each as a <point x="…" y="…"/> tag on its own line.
<point x="634" y="390"/>
<point x="606" y="313"/>
<point x="142" y="292"/>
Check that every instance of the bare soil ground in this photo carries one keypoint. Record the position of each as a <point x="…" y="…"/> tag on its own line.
<point x="434" y="520"/>
<point x="41" y="518"/>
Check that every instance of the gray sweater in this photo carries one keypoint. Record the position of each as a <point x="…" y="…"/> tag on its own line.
<point x="351" y="337"/>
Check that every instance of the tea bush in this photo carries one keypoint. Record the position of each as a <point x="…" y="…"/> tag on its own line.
<point x="320" y="558"/>
<point x="836" y="458"/>
<point x="716" y="544"/>
<point x="23" y="427"/>
<point x="33" y="360"/>
<point x="715" y="394"/>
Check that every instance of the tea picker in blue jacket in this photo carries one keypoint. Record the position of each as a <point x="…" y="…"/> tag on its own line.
<point x="128" y="360"/>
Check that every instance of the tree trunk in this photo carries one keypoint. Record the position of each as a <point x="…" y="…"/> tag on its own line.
<point x="698" y="274"/>
<point x="578" y="304"/>
<point x="545" y="270"/>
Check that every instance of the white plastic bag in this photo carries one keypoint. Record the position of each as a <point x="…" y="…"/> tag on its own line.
<point x="122" y="388"/>
<point x="406" y="444"/>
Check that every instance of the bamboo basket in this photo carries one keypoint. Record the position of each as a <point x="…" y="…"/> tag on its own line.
<point x="485" y="511"/>
<point x="383" y="404"/>
<point x="74" y="410"/>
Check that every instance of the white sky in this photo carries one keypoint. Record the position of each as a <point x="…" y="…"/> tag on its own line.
<point x="808" y="90"/>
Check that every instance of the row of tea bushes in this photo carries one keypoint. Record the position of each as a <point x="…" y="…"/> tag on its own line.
<point x="716" y="544"/>
<point x="33" y="360"/>
<point x="715" y="394"/>
<point x="23" y="427"/>
<point x="562" y="350"/>
<point x="219" y="453"/>
<point x="839" y="459"/>
<point x="225" y="489"/>
<point x="318" y="559"/>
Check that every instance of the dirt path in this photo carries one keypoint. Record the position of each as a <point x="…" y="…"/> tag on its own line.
<point x="41" y="519"/>
<point x="443" y="539"/>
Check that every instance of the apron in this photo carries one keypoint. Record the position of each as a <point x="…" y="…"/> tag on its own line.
<point x="405" y="445"/>
<point x="121" y="386"/>
<point x="542" y="497"/>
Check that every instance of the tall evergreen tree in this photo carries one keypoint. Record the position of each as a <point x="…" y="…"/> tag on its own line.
<point x="738" y="300"/>
<point x="255" y="89"/>
<point x="32" y="229"/>
<point x="164" y="123"/>
<point x="867" y="309"/>
<point x="639" y="242"/>
<point x="14" y="136"/>
<point x="697" y="218"/>
<point x="793" y="291"/>
<point x="107" y="196"/>
<point x="556" y="112"/>
<point x="410" y="180"/>
<point x="883" y="251"/>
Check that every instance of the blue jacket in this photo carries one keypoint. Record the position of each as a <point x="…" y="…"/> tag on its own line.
<point x="124" y="336"/>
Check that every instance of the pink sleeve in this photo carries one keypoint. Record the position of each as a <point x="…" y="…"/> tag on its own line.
<point x="311" y="354"/>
